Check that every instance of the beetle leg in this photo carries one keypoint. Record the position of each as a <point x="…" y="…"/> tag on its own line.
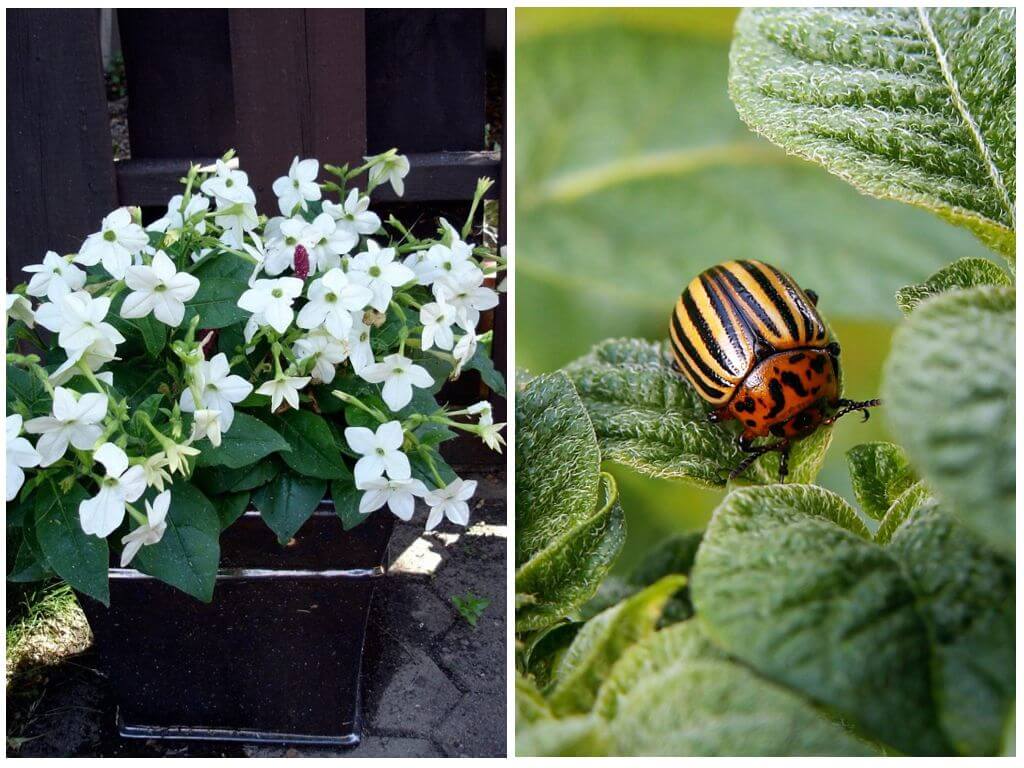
<point x="849" y="406"/>
<point x="757" y="451"/>
<point x="783" y="449"/>
<point x="812" y="295"/>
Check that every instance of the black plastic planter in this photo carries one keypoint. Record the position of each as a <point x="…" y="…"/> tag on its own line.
<point x="276" y="657"/>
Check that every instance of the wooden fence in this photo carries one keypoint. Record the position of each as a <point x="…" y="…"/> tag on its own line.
<point x="332" y="84"/>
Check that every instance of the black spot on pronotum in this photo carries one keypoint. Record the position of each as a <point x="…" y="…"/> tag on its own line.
<point x="792" y="381"/>
<point x="778" y="398"/>
<point x="746" y="404"/>
<point x="797" y="357"/>
<point x="818" y="363"/>
<point x="751" y="423"/>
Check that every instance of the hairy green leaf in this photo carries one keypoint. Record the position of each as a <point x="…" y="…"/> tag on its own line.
<point x="602" y="640"/>
<point x="543" y="650"/>
<point x="915" y="496"/>
<point x="676" y="694"/>
<point x="950" y="396"/>
<point x="788" y="580"/>
<point x="530" y="705"/>
<point x="288" y="501"/>
<point x="248" y="441"/>
<point x="566" y="573"/>
<point x="909" y="104"/>
<point x="879" y="473"/>
<point x="189" y="552"/>
<point x="578" y="736"/>
<point x="966" y="594"/>
<point x="962" y="273"/>
<point x="79" y="559"/>
<point x="557" y="464"/>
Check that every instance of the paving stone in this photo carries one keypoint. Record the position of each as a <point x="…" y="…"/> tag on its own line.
<point x="415" y="613"/>
<point x="416" y="554"/>
<point x="474" y="657"/>
<point x="476" y="727"/>
<point x="416" y="698"/>
<point x="370" y="746"/>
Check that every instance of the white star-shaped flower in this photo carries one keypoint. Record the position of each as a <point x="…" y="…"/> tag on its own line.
<point x="20" y="308"/>
<point x="399" y="495"/>
<point x="298" y="187"/>
<point x="121" y="485"/>
<point x="219" y="390"/>
<point x="390" y="167"/>
<point x="360" y="351"/>
<point x="159" y="288"/>
<point x="399" y="375"/>
<point x="73" y="420"/>
<point x="466" y="292"/>
<point x="332" y="300"/>
<point x="95" y="356"/>
<point x="354" y="215"/>
<point x="437" y="318"/>
<point x="377" y="269"/>
<point x="206" y="424"/>
<point x="381" y="452"/>
<point x="270" y="301"/>
<point x="283" y="388"/>
<point x="20" y="454"/>
<point x="451" y="502"/>
<point x="464" y="350"/>
<point x="326" y="351"/>
<point x="77" y="319"/>
<point x="114" y="245"/>
<point x="440" y="260"/>
<point x="229" y="185"/>
<point x="151" y="532"/>
<point x="55" y="277"/>
<point x="174" y="219"/>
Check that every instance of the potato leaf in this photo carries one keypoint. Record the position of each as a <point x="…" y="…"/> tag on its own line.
<point x="879" y="473"/>
<point x="962" y="273"/>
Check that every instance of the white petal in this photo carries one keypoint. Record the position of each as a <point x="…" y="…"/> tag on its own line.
<point x="372" y="500"/>
<point x="402" y="504"/>
<point x="369" y="467"/>
<point x="360" y="439"/>
<point x="112" y="458"/>
<point x="397" y="393"/>
<point x="390" y="435"/>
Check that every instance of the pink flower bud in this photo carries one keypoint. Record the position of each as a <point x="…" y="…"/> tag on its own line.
<point x="301" y="262"/>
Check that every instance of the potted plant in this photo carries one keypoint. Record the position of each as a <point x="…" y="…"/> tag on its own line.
<point x="217" y="403"/>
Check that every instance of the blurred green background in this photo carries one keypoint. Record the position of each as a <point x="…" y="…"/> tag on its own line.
<point x="634" y="173"/>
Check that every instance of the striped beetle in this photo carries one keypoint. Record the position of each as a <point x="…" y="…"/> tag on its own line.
<point x="752" y="344"/>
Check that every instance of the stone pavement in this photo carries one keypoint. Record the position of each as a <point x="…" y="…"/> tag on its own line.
<point x="434" y="685"/>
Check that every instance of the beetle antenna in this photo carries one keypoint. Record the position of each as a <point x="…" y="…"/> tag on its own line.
<point x="849" y="406"/>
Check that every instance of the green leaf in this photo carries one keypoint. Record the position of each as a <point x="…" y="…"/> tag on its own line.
<point x="189" y="552"/>
<point x="314" y="452"/>
<point x="909" y="104"/>
<point x="30" y="563"/>
<point x="675" y="694"/>
<point x="543" y="650"/>
<point x="81" y="560"/>
<point x="230" y="507"/>
<point x="481" y="361"/>
<point x="346" y="503"/>
<point x="966" y="595"/>
<point x="602" y="640"/>
<point x="24" y="387"/>
<point x="557" y="464"/>
<point x="288" y="501"/>
<point x="530" y="705"/>
<point x="948" y="388"/>
<point x="962" y="273"/>
<point x="788" y="581"/>
<point x="216" y="303"/>
<point x="217" y="480"/>
<point x="566" y="573"/>
<point x="628" y="185"/>
<point x="879" y="473"/>
<point x="915" y="496"/>
<point x="248" y="441"/>
<point x="569" y="737"/>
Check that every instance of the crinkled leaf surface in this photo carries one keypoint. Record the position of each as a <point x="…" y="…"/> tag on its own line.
<point x="566" y="573"/>
<point x="602" y="640"/>
<point x="910" y="104"/>
<point x="676" y="694"/>
<point x="557" y="463"/>
<point x="648" y="417"/>
<point x="634" y="173"/>
<point x="962" y="273"/>
<point x="879" y="473"/>
<point x="949" y="387"/>
<point x="965" y="592"/>
<point x="915" y="496"/>
<point x="578" y="736"/>
<point x="788" y="580"/>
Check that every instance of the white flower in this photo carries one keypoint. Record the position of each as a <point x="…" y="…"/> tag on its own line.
<point x="327" y="352"/>
<point x="55" y="277"/>
<point x="236" y="219"/>
<point x="332" y="300"/>
<point x="259" y="254"/>
<point x="377" y="269"/>
<point x="298" y="187"/>
<point x="440" y="260"/>
<point x="381" y="452"/>
<point x="270" y="301"/>
<point x="95" y="356"/>
<point x="20" y="453"/>
<point x="159" y="289"/>
<point x="218" y="390"/>
<point x="176" y="456"/>
<point x="174" y="219"/>
<point x="154" y="469"/>
<point x="490" y="433"/>
<point x="114" y="245"/>
<point x="283" y="388"/>
<point x="464" y="351"/>
<point x="284" y="237"/>
<point x="360" y="352"/>
<point x="390" y="167"/>
<point x="483" y="408"/>
<point x="75" y="421"/>
<point x="229" y="186"/>
<point x="450" y="502"/>
<point x="206" y="424"/>
<point x="77" y="318"/>
<point x="20" y="308"/>
<point x="151" y="532"/>
<point x="466" y="292"/>
<point x="354" y="215"/>
<point x="399" y="375"/>
<point x="122" y="484"/>
<point x="399" y="495"/>
<point x="437" y="318"/>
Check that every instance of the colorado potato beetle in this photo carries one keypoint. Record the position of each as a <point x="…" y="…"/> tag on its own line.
<point x="752" y="344"/>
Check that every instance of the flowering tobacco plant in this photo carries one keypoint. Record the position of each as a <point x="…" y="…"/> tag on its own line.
<point x="218" y="358"/>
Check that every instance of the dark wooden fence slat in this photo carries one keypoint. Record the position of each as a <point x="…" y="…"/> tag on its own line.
<point x="178" y="68"/>
<point x="60" y="175"/>
<point x="499" y="346"/>
<point x="425" y="79"/>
